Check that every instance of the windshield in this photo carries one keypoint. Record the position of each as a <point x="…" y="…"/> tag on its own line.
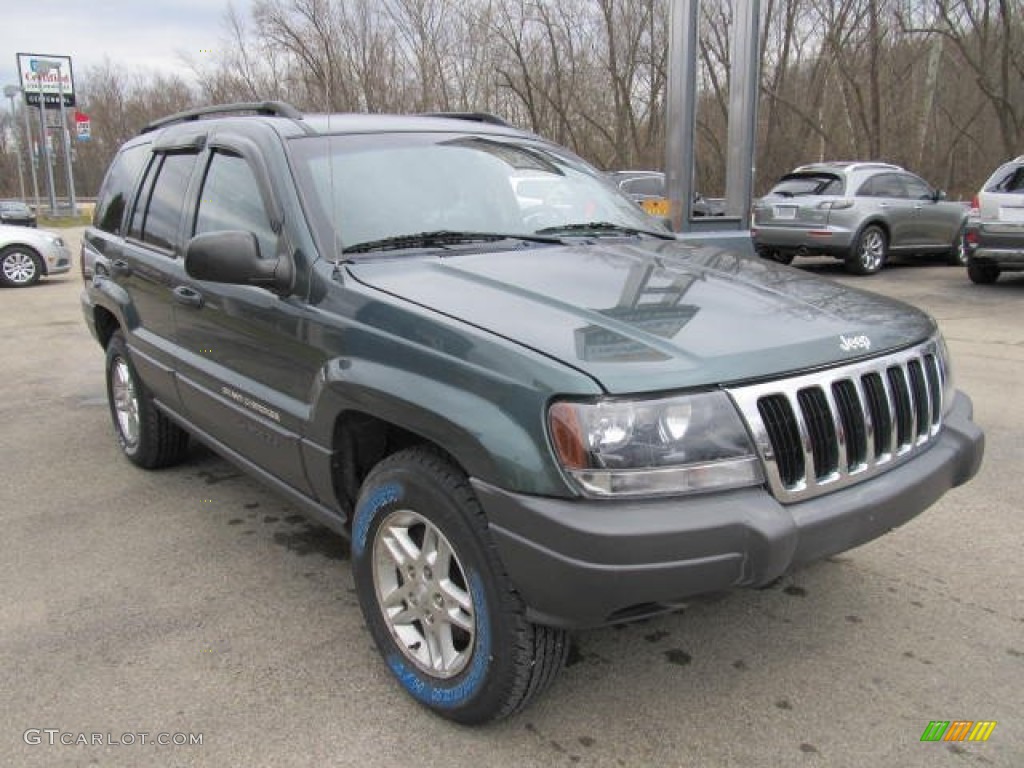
<point x="366" y="188"/>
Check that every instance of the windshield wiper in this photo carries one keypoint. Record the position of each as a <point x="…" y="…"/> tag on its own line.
<point x="602" y="228"/>
<point x="442" y="238"/>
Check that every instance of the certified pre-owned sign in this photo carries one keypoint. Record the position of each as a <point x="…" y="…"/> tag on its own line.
<point x="48" y="77"/>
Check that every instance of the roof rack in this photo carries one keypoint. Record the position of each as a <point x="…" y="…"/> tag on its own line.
<point x="476" y="117"/>
<point x="273" y="108"/>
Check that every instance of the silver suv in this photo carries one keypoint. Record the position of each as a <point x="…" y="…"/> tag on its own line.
<point x="858" y="212"/>
<point x="995" y="234"/>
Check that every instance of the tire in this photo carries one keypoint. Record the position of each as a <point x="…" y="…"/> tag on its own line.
<point x="20" y="266"/>
<point x="982" y="274"/>
<point x="959" y="250"/>
<point x="147" y="437"/>
<point x="870" y="252"/>
<point x="454" y="635"/>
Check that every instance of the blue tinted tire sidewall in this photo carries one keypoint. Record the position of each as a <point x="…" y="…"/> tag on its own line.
<point x="400" y="489"/>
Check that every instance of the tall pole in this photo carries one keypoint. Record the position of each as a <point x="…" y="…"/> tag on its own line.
<point x="42" y="70"/>
<point x="66" y="143"/>
<point x="9" y="91"/>
<point x="681" y="112"/>
<point x="743" y="93"/>
<point x="28" y="150"/>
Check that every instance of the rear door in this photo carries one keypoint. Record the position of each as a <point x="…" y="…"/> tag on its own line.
<point x="248" y="369"/>
<point x="147" y="265"/>
<point x="885" y="195"/>
<point x="938" y="221"/>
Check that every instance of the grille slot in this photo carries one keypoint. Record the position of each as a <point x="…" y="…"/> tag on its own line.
<point x="780" y="421"/>
<point x="855" y="423"/>
<point x="823" y="431"/>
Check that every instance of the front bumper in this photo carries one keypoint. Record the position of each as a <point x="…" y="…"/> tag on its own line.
<point x="583" y="563"/>
<point x="58" y="260"/>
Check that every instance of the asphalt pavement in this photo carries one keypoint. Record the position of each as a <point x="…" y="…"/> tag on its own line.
<point x="195" y="606"/>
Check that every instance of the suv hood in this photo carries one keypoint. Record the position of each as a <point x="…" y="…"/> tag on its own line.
<point x="653" y="316"/>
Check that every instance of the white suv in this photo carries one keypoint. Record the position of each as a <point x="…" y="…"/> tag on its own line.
<point x="995" y="233"/>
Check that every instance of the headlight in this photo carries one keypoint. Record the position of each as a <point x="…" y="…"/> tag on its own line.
<point x="674" y="445"/>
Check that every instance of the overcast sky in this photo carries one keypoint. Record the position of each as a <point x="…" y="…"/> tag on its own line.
<point x="133" y="34"/>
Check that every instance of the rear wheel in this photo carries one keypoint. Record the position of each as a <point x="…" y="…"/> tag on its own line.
<point x="20" y="266"/>
<point x="869" y="253"/>
<point x="982" y="274"/>
<point x="441" y="610"/>
<point x="146" y="436"/>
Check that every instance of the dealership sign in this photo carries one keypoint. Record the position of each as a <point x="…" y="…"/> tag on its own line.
<point x="46" y="76"/>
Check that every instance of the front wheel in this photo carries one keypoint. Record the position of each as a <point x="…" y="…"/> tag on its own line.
<point x="869" y="253"/>
<point x="437" y="602"/>
<point x="20" y="266"/>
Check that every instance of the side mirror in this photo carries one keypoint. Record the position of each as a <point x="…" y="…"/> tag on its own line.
<point x="940" y="194"/>
<point x="233" y="256"/>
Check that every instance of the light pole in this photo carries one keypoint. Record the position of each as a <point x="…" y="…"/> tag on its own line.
<point x="66" y="142"/>
<point x="43" y="68"/>
<point x="9" y="92"/>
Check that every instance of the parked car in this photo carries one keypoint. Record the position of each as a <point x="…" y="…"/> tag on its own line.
<point x="522" y="428"/>
<point x="860" y="213"/>
<point x="648" y="189"/>
<point x="16" y="213"/>
<point x="995" y="233"/>
<point x="29" y="254"/>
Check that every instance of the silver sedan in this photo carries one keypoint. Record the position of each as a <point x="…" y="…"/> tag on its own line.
<point x="28" y="254"/>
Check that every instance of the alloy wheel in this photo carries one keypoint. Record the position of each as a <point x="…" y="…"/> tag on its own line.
<point x="126" y="402"/>
<point x="423" y="594"/>
<point x="19" y="268"/>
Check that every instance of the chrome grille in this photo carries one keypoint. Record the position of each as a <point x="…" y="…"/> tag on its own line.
<point x="820" y="432"/>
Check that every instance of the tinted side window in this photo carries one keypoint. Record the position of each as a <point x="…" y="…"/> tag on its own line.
<point x="142" y="201"/>
<point x="1009" y="178"/>
<point x="163" y="214"/>
<point x="117" y="187"/>
<point x="231" y="200"/>
<point x="883" y="185"/>
<point x="916" y="188"/>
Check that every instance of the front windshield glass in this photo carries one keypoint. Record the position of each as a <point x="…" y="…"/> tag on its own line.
<point x="366" y="188"/>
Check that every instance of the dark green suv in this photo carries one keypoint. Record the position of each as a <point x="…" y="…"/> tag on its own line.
<point x="529" y="414"/>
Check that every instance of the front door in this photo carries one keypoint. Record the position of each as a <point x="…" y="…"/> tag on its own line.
<point x="248" y="375"/>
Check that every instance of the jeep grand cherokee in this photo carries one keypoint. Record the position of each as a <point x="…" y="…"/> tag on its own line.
<point x="526" y="418"/>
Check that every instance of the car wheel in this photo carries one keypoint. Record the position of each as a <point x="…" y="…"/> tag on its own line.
<point x="982" y="274"/>
<point x="146" y="436"/>
<point x="869" y="252"/>
<point x="958" y="253"/>
<point x="20" y="266"/>
<point x="437" y="602"/>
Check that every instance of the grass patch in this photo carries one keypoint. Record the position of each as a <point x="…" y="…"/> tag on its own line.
<point x="62" y="222"/>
